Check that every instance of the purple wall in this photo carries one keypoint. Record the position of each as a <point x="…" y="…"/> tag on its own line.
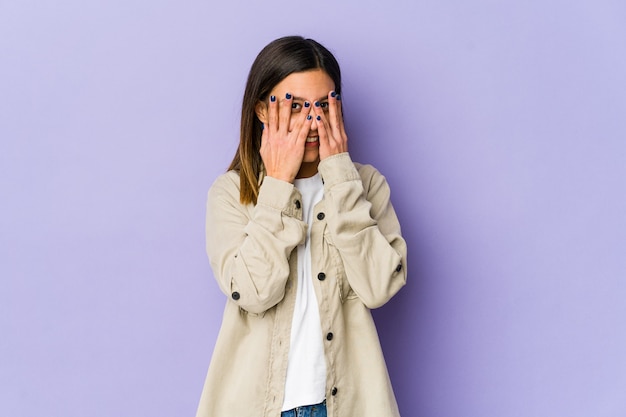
<point x="499" y="126"/>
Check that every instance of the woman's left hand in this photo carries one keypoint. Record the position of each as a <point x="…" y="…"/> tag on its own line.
<point x="332" y="133"/>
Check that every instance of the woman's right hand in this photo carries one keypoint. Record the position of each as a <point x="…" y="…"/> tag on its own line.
<point x="282" y="145"/>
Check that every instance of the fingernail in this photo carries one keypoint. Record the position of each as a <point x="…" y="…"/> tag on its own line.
<point x="288" y="96"/>
<point x="318" y="118"/>
<point x="317" y="104"/>
<point x="338" y="96"/>
<point x="333" y="94"/>
<point x="262" y="126"/>
<point x="272" y="98"/>
<point x="307" y="104"/>
<point x="309" y="117"/>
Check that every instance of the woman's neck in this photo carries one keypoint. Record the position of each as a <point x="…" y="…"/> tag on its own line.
<point x="307" y="169"/>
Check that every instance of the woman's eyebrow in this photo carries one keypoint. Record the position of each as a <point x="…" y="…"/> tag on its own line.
<point x="303" y="99"/>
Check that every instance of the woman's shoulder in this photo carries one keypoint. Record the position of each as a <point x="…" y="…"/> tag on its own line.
<point x="374" y="182"/>
<point x="365" y="168"/>
<point x="226" y="184"/>
<point x="368" y="172"/>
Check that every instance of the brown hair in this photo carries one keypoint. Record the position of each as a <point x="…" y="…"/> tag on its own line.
<point x="274" y="63"/>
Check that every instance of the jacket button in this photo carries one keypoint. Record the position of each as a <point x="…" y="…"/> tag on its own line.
<point x="321" y="276"/>
<point x="320" y="216"/>
<point x="235" y="296"/>
<point x="329" y="336"/>
<point x="298" y="205"/>
<point x="399" y="268"/>
<point x="333" y="391"/>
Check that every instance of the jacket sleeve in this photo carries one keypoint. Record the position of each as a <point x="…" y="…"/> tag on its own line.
<point x="364" y="228"/>
<point x="249" y="247"/>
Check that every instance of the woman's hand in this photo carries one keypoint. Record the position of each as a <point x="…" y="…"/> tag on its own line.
<point x="332" y="133"/>
<point x="282" y="149"/>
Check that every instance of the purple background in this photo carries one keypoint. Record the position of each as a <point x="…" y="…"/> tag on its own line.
<point x="500" y="126"/>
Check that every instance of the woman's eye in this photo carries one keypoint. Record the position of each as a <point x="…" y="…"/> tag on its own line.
<point x="296" y="107"/>
<point x="324" y="105"/>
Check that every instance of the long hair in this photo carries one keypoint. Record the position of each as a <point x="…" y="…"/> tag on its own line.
<point x="274" y="63"/>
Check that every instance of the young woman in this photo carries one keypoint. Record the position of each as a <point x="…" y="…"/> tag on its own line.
<point x="304" y="242"/>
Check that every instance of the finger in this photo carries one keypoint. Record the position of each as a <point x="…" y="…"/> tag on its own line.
<point x="302" y="117"/>
<point x="334" y="113"/>
<point x="320" y="119"/>
<point x="340" y="115"/>
<point x="284" y="114"/>
<point x="322" y="132"/>
<point x="273" y="115"/>
<point x="304" y="130"/>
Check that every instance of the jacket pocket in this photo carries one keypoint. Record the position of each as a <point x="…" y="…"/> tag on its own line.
<point x="244" y="313"/>
<point x="338" y="270"/>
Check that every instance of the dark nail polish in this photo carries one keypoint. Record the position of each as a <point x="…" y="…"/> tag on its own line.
<point x="338" y="96"/>
<point x="288" y="96"/>
<point x="317" y="104"/>
<point x="262" y="126"/>
<point x="309" y="117"/>
<point x="318" y="118"/>
<point x="333" y="94"/>
<point x="272" y="98"/>
<point x="307" y="104"/>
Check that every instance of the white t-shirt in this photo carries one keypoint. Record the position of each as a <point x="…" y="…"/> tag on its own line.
<point x="306" y="370"/>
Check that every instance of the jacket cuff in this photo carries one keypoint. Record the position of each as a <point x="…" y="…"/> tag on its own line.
<point x="280" y="195"/>
<point x="337" y="169"/>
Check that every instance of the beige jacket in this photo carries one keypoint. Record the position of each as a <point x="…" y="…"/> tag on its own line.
<point x="359" y="262"/>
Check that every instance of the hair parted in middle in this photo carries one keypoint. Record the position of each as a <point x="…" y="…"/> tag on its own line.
<point x="279" y="59"/>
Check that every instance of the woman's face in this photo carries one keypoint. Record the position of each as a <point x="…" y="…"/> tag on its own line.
<point x="311" y="86"/>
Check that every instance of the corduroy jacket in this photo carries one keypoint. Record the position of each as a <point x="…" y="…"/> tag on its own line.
<point x="359" y="262"/>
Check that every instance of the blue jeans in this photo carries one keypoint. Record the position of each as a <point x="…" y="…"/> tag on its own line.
<point x="316" y="410"/>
